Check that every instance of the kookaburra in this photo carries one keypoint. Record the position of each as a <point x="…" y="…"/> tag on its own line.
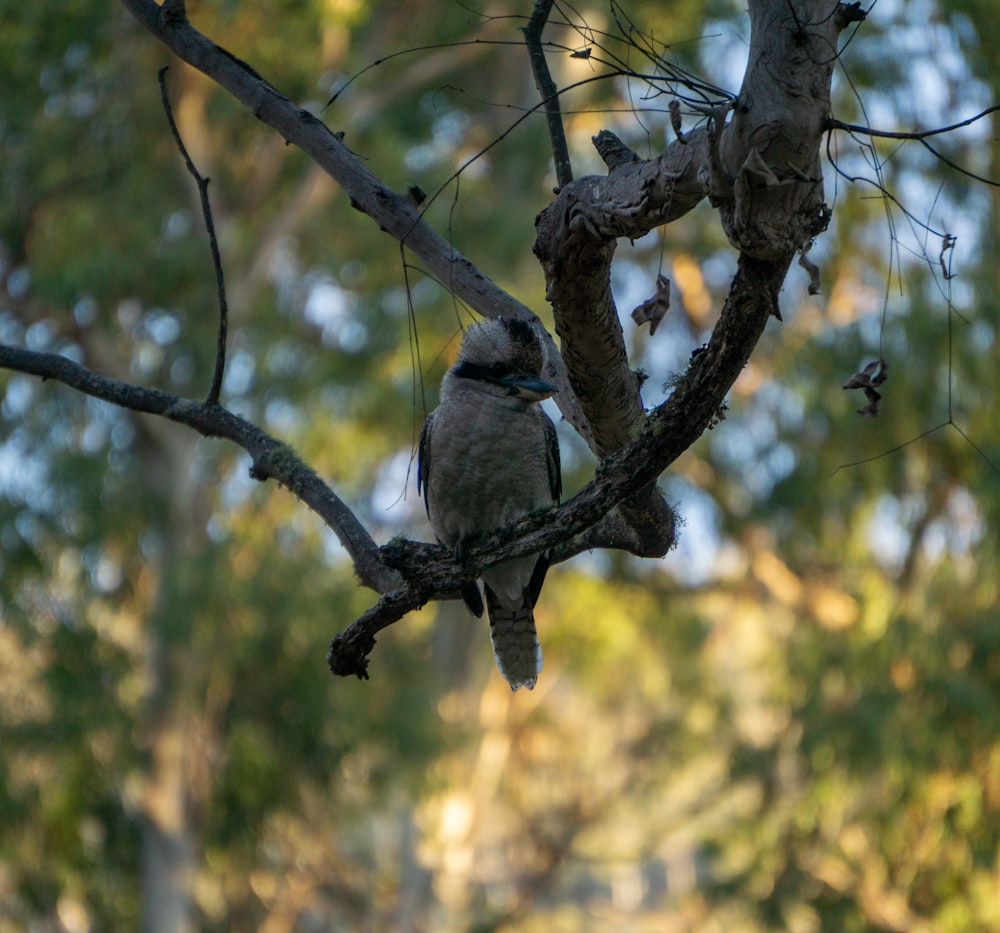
<point x="488" y="457"/>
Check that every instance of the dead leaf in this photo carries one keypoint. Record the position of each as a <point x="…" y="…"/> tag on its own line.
<point x="874" y="374"/>
<point x="654" y="309"/>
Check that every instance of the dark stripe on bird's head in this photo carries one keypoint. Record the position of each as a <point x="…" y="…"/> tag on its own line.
<point x="494" y="372"/>
<point x="523" y="385"/>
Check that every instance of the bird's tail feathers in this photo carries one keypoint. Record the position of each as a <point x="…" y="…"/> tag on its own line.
<point x="515" y="642"/>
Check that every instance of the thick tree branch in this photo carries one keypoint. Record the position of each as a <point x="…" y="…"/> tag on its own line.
<point x="394" y="212"/>
<point x="270" y="458"/>
<point x="761" y="170"/>
<point x="576" y="239"/>
<point x="770" y="150"/>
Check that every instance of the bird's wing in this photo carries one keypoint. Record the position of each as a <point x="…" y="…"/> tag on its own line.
<point x="553" y="464"/>
<point x="424" y="460"/>
<point x="552" y="457"/>
<point x="537" y="578"/>
<point x="470" y="589"/>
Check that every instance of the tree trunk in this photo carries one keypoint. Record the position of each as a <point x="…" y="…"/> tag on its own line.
<point x="170" y="855"/>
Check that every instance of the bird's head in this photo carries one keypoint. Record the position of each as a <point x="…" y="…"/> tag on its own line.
<point x="504" y="352"/>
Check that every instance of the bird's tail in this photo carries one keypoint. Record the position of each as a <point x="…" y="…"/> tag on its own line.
<point x="515" y="641"/>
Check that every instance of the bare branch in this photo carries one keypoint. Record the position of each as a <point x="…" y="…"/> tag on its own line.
<point x="761" y="170"/>
<point x="548" y="90"/>
<point x="394" y="212"/>
<point x="576" y="239"/>
<point x="206" y="209"/>
<point x="914" y="134"/>
<point x="922" y="136"/>
<point x="270" y="458"/>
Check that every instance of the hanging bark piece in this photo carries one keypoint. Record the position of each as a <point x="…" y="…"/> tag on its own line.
<point x="654" y="309"/>
<point x="874" y="374"/>
<point x="811" y="268"/>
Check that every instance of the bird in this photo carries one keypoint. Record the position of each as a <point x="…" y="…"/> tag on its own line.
<point x="488" y="456"/>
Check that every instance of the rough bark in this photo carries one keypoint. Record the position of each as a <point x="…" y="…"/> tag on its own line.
<point x="770" y="197"/>
<point x="761" y="169"/>
<point x="575" y="243"/>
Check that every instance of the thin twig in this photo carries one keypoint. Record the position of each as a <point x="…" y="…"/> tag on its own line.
<point x="941" y="157"/>
<point x="891" y="450"/>
<point x="206" y="209"/>
<point x="915" y="134"/>
<point x="548" y="91"/>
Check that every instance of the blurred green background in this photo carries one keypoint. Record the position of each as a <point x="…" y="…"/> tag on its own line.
<point x="790" y="723"/>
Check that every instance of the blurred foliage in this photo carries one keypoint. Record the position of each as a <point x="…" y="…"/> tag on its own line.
<point x="788" y="724"/>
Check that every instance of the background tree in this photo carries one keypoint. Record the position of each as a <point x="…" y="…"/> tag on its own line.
<point x="804" y="739"/>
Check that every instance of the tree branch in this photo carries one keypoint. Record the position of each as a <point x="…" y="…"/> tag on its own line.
<point x="548" y="91"/>
<point x="395" y="213"/>
<point x="270" y="458"/>
<point x="206" y="209"/>
<point x="769" y="192"/>
<point x="410" y="574"/>
<point x="761" y="170"/>
<point x="576" y="238"/>
<point x="913" y="134"/>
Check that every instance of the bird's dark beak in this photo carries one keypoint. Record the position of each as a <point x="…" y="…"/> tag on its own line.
<point x="528" y="388"/>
